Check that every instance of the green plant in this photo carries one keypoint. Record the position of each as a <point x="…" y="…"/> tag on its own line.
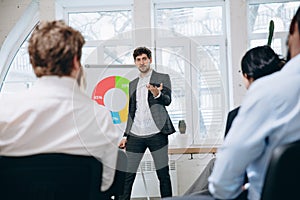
<point x="271" y="32"/>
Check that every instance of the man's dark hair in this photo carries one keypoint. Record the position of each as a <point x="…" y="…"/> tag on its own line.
<point x="141" y="50"/>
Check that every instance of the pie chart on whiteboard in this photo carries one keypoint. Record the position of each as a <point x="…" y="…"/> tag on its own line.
<point x="112" y="92"/>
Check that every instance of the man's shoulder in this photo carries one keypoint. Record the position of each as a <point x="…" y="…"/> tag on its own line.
<point x="14" y="97"/>
<point x="134" y="80"/>
<point x="159" y="73"/>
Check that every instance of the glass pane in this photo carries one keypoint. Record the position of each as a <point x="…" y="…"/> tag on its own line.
<point x="276" y="45"/>
<point x="211" y="94"/>
<point x="118" y="54"/>
<point x="194" y="21"/>
<point x="174" y="64"/>
<point x="91" y="24"/>
<point x="20" y="74"/>
<point x="86" y="53"/>
<point x="260" y="16"/>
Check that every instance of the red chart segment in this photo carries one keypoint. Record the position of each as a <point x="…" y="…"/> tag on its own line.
<point x="102" y="87"/>
<point x="112" y="92"/>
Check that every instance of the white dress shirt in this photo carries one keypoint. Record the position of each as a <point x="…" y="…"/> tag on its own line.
<point x="54" y="116"/>
<point x="143" y="124"/>
<point x="268" y="117"/>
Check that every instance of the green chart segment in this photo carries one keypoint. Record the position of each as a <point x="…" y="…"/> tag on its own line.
<point x="106" y="92"/>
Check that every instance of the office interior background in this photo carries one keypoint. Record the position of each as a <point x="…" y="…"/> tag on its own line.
<point x="199" y="43"/>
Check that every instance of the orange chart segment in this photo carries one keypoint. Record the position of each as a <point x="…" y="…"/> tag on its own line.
<point x="112" y="92"/>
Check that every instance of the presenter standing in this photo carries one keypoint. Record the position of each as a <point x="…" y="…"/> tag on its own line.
<point x="148" y="124"/>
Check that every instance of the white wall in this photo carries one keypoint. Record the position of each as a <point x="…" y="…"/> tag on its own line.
<point x="10" y="13"/>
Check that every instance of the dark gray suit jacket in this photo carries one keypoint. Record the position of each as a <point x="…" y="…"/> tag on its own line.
<point x="157" y="106"/>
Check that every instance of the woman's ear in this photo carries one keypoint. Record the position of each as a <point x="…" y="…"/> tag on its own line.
<point x="247" y="80"/>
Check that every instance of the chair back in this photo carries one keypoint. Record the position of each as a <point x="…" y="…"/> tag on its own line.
<point x="50" y="177"/>
<point x="283" y="174"/>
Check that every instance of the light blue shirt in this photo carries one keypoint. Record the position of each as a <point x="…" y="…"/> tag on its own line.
<point x="268" y="117"/>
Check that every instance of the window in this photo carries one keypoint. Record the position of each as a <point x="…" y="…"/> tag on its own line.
<point x="261" y="13"/>
<point x="16" y="73"/>
<point x="191" y="48"/>
<point x="20" y="75"/>
<point x="101" y="25"/>
<point x="107" y="32"/>
<point x="191" y="21"/>
<point x="112" y="45"/>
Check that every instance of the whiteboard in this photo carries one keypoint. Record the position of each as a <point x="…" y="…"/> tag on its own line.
<point x="108" y="85"/>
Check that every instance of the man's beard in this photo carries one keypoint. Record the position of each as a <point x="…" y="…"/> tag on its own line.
<point x="144" y="68"/>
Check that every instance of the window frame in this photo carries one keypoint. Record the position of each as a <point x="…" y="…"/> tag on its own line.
<point x="281" y="35"/>
<point x="99" y="45"/>
<point x="15" y="40"/>
<point x="221" y="40"/>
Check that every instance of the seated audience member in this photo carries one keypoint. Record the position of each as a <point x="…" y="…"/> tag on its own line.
<point x="268" y="117"/>
<point x="54" y="116"/>
<point x="256" y="63"/>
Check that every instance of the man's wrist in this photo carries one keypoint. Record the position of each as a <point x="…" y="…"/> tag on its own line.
<point x="159" y="93"/>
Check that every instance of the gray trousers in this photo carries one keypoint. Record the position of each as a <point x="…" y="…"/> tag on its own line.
<point x="199" y="189"/>
<point x="200" y="186"/>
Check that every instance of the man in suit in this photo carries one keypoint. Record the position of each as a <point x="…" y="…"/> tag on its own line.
<point x="148" y="124"/>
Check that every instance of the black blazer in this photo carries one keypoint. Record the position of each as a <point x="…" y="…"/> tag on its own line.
<point x="230" y="117"/>
<point x="157" y="106"/>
